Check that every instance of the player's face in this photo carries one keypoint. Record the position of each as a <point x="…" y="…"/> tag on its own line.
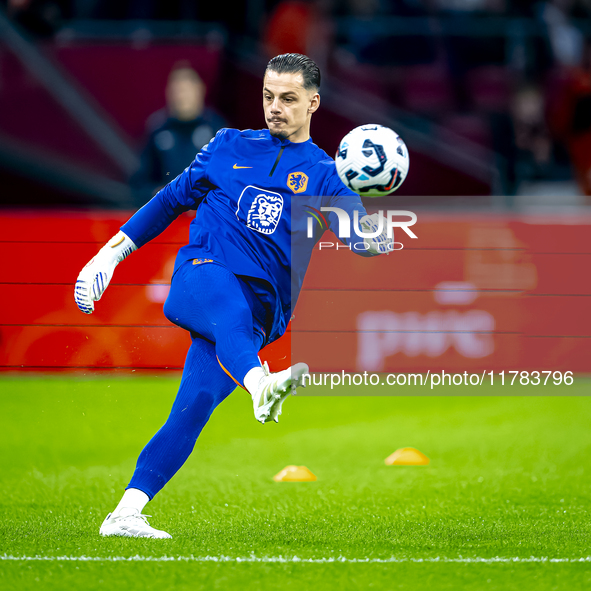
<point x="288" y="106"/>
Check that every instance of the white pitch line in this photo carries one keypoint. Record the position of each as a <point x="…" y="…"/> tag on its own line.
<point x="293" y="559"/>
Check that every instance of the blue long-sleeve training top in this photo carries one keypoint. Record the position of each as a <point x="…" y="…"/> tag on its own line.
<point x="253" y="194"/>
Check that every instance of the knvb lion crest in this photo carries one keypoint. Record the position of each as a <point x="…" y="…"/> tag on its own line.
<point x="264" y="213"/>
<point x="297" y="182"/>
<point x="260" y="209"/>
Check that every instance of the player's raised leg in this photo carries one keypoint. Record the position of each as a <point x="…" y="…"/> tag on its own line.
<point x="210" y="300"/>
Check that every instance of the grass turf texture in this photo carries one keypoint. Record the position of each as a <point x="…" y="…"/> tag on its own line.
<point x="509" y="477"/>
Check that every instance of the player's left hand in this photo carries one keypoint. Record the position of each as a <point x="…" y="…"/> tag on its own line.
<point x="382" y="243"/>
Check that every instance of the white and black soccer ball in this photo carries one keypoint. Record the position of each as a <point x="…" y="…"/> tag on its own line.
<point x="372" y="160"/>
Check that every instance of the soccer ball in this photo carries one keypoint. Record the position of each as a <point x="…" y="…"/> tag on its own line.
<point x="372" y="160"/>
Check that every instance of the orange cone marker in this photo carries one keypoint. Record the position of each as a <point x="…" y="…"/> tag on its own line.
<point x="407" y="456"/>
<point x="294" y="474"/>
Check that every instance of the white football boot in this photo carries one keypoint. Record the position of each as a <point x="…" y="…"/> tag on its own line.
<point x="274" y="388"/>
<point x="131" y="524"/>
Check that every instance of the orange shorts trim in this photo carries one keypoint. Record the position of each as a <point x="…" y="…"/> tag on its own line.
<point x="237" y="382"/>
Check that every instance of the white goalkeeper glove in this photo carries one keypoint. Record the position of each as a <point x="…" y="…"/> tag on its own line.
<point x="97" y="274"/>
<point x="379" y="244"/>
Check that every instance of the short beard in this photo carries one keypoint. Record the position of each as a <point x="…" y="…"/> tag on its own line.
<point x="282" y="135"/>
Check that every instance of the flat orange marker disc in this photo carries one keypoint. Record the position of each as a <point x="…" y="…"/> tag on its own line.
<point x="407" y="456"/>
<point x="294" y="474"/>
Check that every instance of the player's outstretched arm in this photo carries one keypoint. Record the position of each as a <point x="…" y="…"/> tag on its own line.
<point x="96" y="275"/>
<point x="185" y="192"/>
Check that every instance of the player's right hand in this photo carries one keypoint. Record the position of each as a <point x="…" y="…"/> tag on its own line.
<point x="97" y="274"/>
<point x="91" y="284"/>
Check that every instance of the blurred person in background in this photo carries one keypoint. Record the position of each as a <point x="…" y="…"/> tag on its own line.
<point x="176" y="133"/>
<point x="300" y="26"/>
<point x="570" y="118"/>
<point x="532" y="138"/>
<point x="522" y="137"/>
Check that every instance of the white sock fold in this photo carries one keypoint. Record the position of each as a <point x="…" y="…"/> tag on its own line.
<point x="253" y="378"/>
<point x="133" y="500"/>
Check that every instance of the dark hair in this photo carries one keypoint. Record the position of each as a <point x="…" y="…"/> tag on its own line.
<point x="296" y="63"/>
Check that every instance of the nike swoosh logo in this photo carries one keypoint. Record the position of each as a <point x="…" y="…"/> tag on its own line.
<point x="236" y="166"/>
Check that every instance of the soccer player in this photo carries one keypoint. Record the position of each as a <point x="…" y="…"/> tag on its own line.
<point x="235" y="284"/>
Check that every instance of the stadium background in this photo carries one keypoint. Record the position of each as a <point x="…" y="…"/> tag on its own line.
<point x="492" y="99"/>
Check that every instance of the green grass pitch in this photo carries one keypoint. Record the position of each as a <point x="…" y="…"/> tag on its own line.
<point x="509" y="478"/>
